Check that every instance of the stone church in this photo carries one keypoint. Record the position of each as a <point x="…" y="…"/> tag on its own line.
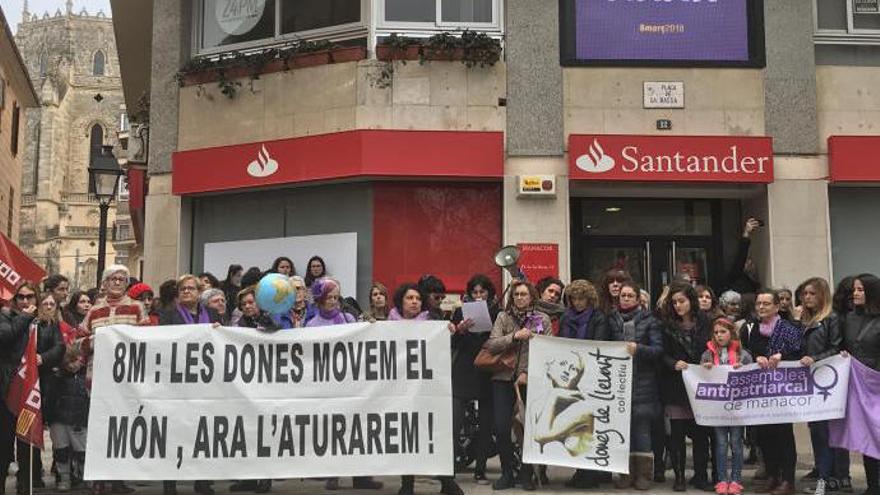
<point x="71" y="57"/>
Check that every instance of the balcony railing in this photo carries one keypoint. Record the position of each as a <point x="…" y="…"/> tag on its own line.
<point x="77" y="231"/>
<point x="78" y="198"/>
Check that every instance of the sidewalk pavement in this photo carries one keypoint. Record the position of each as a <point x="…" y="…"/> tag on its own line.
<point x="557" y="476"/>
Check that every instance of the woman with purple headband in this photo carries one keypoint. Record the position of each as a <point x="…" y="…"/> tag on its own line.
<point x="326" y="293"/>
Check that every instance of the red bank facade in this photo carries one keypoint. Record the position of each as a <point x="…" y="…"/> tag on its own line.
<point x="393" y="170"/>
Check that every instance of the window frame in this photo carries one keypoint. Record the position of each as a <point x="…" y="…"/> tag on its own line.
<point x="103" y="63"/>
<point x="339" y="32"/>
<point x="438" y="24"/>
<point x="850" y="36"/>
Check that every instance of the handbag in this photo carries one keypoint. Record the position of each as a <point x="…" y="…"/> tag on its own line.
<point x="504" y="362"/>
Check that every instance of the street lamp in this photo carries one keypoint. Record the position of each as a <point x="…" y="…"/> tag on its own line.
<point x="104" y="173"/>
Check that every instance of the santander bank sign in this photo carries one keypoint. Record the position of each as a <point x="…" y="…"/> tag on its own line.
<point x="671" y="158"/>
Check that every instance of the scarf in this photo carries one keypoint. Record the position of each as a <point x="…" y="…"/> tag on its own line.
<point x="334" y="316"/>
<point x="188" y="317"/>
<point x="766" y="329"/>
<point x="576" y="324"/>
<point x="524" y="318"/>
<point x="113" y="300"/>
<point x="395" y="315"/>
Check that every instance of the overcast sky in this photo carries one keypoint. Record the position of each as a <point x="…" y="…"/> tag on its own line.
<point x="12" y="8"/>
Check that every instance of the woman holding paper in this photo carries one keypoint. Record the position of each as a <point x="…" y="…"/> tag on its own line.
<point x="685" y="334"/>
<point x="861" y="334"/>
<point x="513" y="328"/>
<point x="772" y="339"/>
<point x="643" y="334"/>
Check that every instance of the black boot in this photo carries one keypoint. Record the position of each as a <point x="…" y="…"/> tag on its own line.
<point x="366" y="483"/>
<point x="407" y="485"/>
<point x="169" y="488"/>
<point x="525" y="478"/>
<point x="678" y="459"/>
<point x="243" y="486"/>
<point x="263" y="486"/>
<point x="660" y="468"/>
<point x="505" y="482"/>
<point x="448" y="486"/>
<point x="203" y="488"/>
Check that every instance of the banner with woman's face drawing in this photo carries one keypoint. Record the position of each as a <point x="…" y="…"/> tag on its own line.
<point x="578" y="404"/>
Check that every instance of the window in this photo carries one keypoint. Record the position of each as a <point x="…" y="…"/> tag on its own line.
<point x="847" y="21"/>
<point x="123" y="122"/>
<point x="36" y="144"/>
<point x="96" y="141"/>
<point x="13" y="143"/>
<point x="441" y="13"/>
<point x="44" y="64"/>
<point x="98" y="64"/>
<point x="9" y="214"/>
<point x="122" y="189"/>
<point x="234" y="24"/>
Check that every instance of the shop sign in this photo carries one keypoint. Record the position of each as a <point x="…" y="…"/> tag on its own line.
<point x="238" y="17"/>
<point x="340" y="155"/>
<point x="854" y="158"/>
<point x="539" y="260"/>
<point x="663" y="94"/>
<point x="671" y="158"/>
<point x="542" y="186"/>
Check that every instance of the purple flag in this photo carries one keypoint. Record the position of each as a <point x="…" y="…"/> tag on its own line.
<point x="859" y="431"/>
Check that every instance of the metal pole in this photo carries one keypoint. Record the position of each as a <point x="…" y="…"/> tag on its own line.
<point x="102" y="242"/>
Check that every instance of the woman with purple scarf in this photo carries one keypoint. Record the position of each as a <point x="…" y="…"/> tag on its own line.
<point x="772" y="339"/>
<point x="408" y="306"/>
<point x="188" y="311"/>
<point x="326" y="294"/>
<point x="583" y="320"/>
<point x="513" y="328"/>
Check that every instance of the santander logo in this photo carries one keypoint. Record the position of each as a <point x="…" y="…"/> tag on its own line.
<point x="671" y="158"/>
<point x="595" y="161"/>
<point x="263" y="166"/>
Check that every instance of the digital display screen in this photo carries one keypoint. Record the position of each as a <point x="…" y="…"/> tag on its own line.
<point x="663" y="32"/>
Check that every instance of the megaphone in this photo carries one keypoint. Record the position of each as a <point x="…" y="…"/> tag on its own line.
<point x="506" y="258"/>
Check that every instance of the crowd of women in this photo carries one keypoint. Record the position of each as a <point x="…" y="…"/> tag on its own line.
<point x="687" y="326"/>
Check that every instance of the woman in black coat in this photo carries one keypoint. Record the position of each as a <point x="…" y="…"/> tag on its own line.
<point x="861" y="338"/>
<point x="50" y="351"/>
<point x="686" y="330"/>
<point x="468" y="382"/>
<point x="643" y="334"/>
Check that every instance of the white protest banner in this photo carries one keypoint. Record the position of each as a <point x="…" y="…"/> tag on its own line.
<point x="578" y="404"/>
<point x="193" y="402"/>
<point x="791" y="393"/>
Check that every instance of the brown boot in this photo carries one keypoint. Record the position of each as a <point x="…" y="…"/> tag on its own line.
<point x="626" y="480"/>
<point x="644" y="470"/>
<point x="769" y="486"/>
<point x="784" y="488"/>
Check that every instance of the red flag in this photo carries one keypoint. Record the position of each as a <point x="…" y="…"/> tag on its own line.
<point x="24" y="399"/>
<point x="15" y="266"/>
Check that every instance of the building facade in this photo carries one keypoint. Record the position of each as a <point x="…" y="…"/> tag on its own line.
<point x="71" y="56"/>
<point x="16" y="97"/>
<point x="590" y="152"/>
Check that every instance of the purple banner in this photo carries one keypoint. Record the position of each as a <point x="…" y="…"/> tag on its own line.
<point x="684" y="30"/>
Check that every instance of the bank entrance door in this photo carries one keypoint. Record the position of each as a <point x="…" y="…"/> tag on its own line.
<point x="652" y="239"/>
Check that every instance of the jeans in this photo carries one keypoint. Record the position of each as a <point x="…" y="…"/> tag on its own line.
<point x="822" y="455"/>
<point x="640" y="435"/>
<point x="732" y="436"/>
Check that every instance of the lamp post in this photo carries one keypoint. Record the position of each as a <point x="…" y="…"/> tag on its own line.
<point x="104" y="173"/>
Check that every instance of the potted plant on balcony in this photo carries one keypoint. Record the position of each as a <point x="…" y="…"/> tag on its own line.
<point x="397" y="47"/>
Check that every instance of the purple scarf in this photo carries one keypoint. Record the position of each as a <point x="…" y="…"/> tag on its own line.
<point x="395" y="315"/>
<point x="576" y="324"/>
<point x="766" y="329"/>
<point x="334" y="315"/>
<point x="188" y="317"/>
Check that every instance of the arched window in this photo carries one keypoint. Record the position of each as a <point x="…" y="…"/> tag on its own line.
<point x="36" y="144"/>
<point x="44" y="64"/>
<point x="96" y="140"/>
<point x="98" y="64"/>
